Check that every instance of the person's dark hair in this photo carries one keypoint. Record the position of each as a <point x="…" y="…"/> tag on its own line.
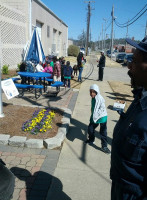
<point x="68" y="63"/>
<point x="63" y="62"/>
<point x="54" y="58"/>
<point x="23" y="67"/>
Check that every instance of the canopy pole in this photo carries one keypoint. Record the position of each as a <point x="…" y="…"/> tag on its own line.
<point x="1" y="103"/>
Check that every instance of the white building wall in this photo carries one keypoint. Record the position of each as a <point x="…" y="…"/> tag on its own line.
<point x="12" y="33"/>
<point x="58" y="37"/>
<point x="15" y="29"/>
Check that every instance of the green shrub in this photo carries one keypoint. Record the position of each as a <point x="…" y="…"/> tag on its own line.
<point x="73" y="50"/>
<point x="18" y="67"/>
<point x="5" y="69"/>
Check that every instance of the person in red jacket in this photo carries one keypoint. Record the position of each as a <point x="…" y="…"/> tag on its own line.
<point x="57" y="71"/>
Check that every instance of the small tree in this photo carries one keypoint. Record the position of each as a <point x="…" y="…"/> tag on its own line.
<point x="5" y="69"/>
<point x="73" y="50"/>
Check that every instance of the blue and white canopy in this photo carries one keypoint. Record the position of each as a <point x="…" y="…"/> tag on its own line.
<point x="34" y="51"/>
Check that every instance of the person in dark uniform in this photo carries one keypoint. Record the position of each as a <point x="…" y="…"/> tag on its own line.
<point x="129" y="145"/>
<point x="101" y="66"/>
<point x="7" y="182"/>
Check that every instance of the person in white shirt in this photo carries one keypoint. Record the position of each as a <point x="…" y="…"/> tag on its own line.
<point x="39" y="67"/>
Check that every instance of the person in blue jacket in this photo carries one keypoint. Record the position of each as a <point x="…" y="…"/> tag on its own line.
<point x="67" y="72"/>
<point x="129" y="145"/>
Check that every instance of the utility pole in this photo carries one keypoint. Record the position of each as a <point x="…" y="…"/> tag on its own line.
<point x="90" y="35"/>
<point x="88" y="23"/>
<point x="98" y="42"/>
<point x="105" y="34"/>
<point x="1" y="103"/>
<point x="102" y="38"/>
<point x="112" y="14"/>
<point x="126" y="36"/>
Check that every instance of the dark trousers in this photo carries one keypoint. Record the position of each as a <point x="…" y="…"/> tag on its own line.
<point x="67" y="82"/>
<point x="7" y="182"/>
<point x="75" y="72"/>
<point x="101" y="71"/>
<point x="103" y="133"/>
<point x="118" y="192"/>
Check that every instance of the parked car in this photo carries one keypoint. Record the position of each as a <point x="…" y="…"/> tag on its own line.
<point x="108" y="52"/>
<point x="128" y="58"/>
<point x="120" y="57"/>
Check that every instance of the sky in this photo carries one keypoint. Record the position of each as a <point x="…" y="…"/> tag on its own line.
<point x="74" y="14"/>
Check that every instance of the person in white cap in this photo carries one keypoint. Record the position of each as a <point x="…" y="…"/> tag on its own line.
<point x="101" y="66"/>
<point x="129" y="145"/>
<point x="98" y="116"/>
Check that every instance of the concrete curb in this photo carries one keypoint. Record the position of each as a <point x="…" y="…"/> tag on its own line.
<point x="50" y="143"/>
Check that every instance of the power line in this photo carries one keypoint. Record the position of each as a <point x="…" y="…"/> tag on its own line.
<point x="133" y="17"/>
<point x="108" y="25"/>
<point x="117" y="24"/>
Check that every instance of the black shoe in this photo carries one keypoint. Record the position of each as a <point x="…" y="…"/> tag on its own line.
<point x="106" y="150"/>
<point x="89" y="142"/>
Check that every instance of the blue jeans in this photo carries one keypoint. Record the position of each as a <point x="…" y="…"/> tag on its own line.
<point x="80" y="74"/>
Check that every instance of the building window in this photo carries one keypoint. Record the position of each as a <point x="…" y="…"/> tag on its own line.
<point x="48" y="31"/>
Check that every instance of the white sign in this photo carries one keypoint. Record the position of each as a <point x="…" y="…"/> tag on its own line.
<point x="9" y="88"/>
<point x="119" y="105"/>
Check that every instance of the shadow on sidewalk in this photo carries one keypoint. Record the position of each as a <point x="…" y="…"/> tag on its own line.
<point x="83" y="159"/>
<point x="79" y="134"/>
<point x="38" y="185"/>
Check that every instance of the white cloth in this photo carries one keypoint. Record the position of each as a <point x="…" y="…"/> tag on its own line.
<point x="39" y="68"/>
<point x="99" y="109"/>
<point x="55" y="78"/>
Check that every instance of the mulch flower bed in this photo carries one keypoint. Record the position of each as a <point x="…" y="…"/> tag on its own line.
<point x="15" y="117"/>
<point x="10" y="74"/>
<point x="18" y="119"/>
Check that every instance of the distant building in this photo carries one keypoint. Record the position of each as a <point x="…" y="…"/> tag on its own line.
<point x="129" y="49"/>
<point x="124" y="48"/>
<point x="18" y="19"/>
<point x="70" y="42"/>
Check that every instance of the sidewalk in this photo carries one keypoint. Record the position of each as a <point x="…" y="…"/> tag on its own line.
<point x="83" y="169"/>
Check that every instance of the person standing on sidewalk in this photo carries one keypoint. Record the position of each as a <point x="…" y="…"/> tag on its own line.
<point x="80" y="58"/>
<point x="67" y="72"/>
<point x="98" y="116"/>
<point x="129" y="145"/>
<point x="101" y="66"/>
